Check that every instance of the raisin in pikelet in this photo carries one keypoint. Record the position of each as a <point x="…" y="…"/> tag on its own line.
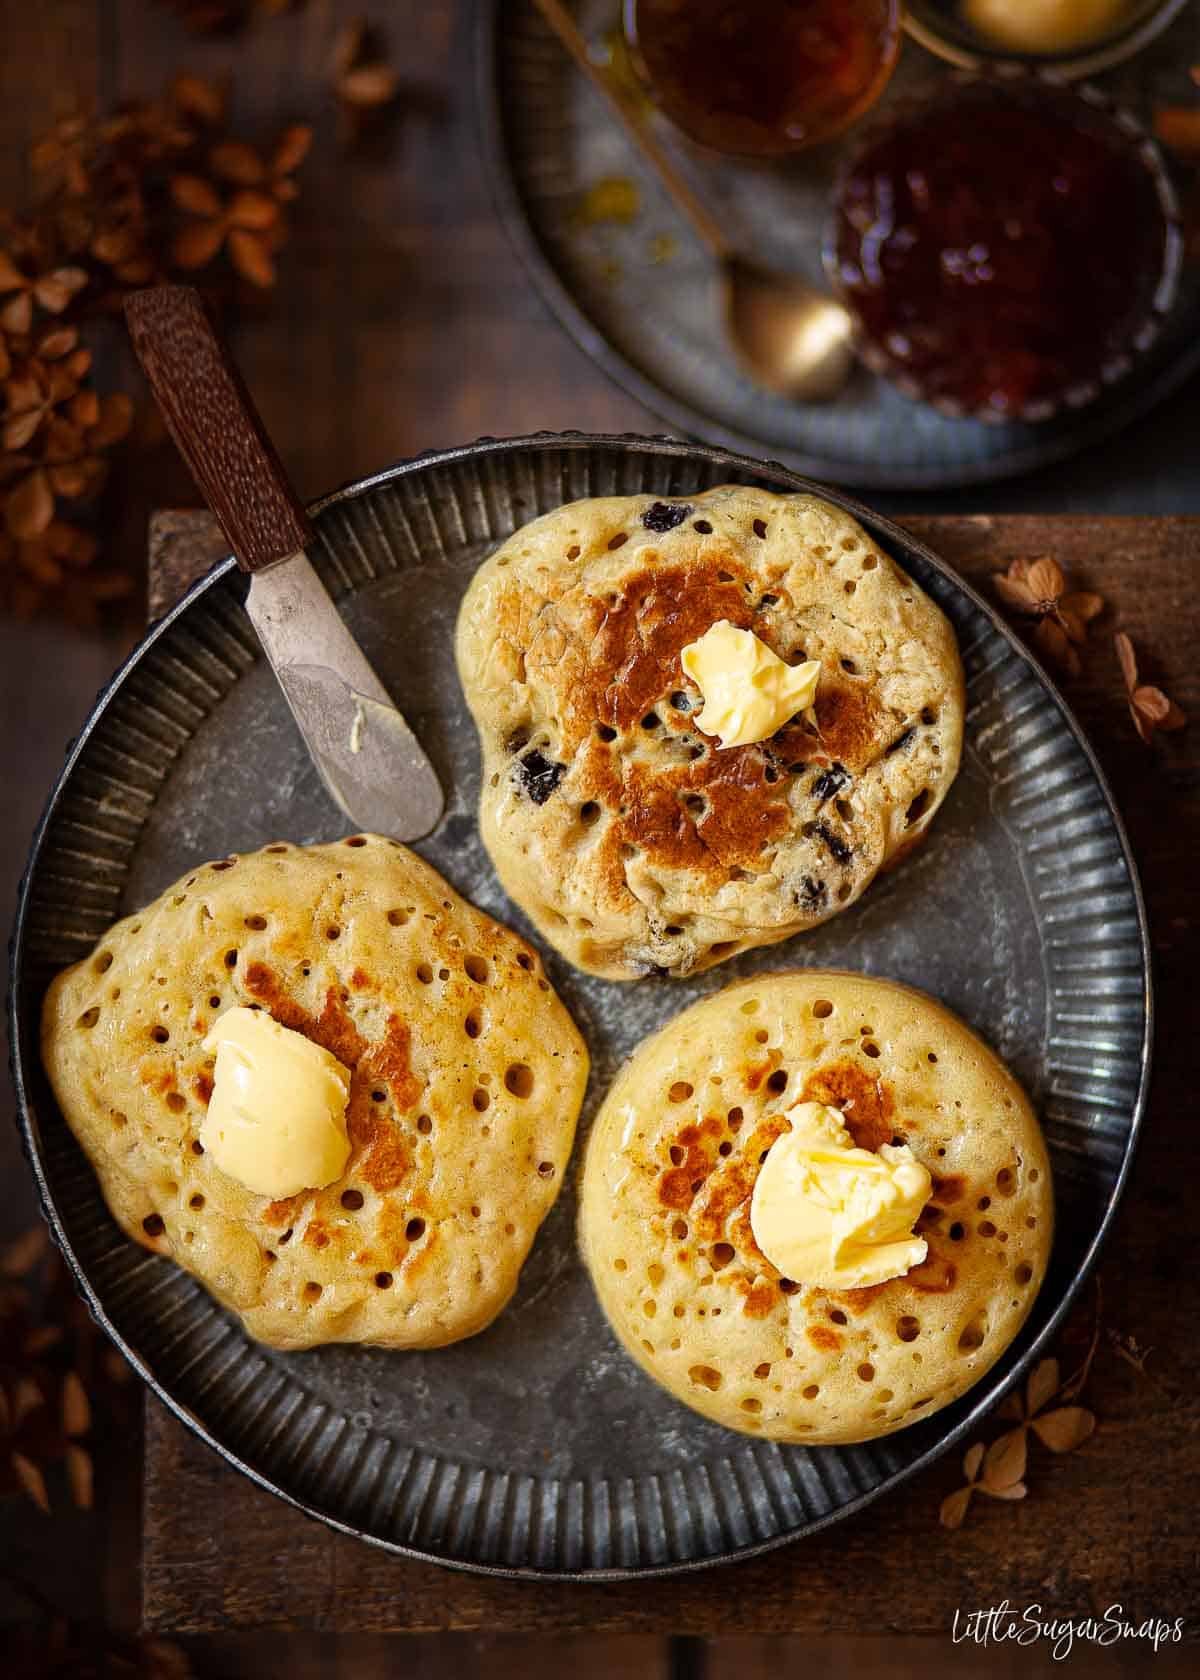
<point x="830" y="781"/>
<point x="665" y="516"/>
<point x="539" y="775"/>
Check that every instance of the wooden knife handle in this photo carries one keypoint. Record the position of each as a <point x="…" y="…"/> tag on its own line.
<point x="214" y="422"/>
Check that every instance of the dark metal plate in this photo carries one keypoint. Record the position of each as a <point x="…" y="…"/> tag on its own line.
<point x="653" y="324"/>
<point x="538" y="1447"/>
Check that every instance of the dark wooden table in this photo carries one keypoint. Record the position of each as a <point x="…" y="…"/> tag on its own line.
<point x="1113" y="1523"/>
<point x="402" y="322"/>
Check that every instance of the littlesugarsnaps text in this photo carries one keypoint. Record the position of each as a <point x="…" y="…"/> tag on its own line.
<point x="1033" y="1625"/>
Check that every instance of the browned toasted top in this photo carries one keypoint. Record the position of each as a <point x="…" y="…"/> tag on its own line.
<point x="383" y="1161"/>
<point x="709" y="1176"/>
<point x="675" y="796"/>
<point x="636" y="639"/>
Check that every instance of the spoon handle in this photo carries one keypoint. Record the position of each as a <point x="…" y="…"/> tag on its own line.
<point x="627" y="112"/>
<point x="214" y="422"/>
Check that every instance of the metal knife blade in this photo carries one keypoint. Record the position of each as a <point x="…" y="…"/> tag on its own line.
<point x="369" y="759"/>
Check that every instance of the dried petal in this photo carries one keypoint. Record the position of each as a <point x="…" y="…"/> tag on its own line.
<point x="196" y="96"/>
<point x="196" y="245"/>
<point x="1151" y="704"/>
<point x="291" y="149"/>
<point x="954" y="1508"/>
<point x="1012" y="1406"/>
<point x="109" y="586"/>
<point x="55" y="291"/>
<point x="195" y="195"/>
<point x="1005" y="1461"/>
<point x="30" y="507"/>
<point x="972" y="1459"/>
<point x="11" y="278"/>
<point x="76" y="1412"/>
<point x="256" y="210"/>
<point x="1178" y="126"/>
<point x="348" y="46"/>
<point x="1041" y="1387"/>
<point x="84" y="409"/>
<point x="80" y="1477"/>
<point x="20" y="429"/>
<point x="1065" y="1429"/>
<point x="115" y="1368"/>
<point x="1052" y="643"/>
<point x="1045" y="579"/>
<point x="22" y="1255"/>
<point x="1083" y="604"/>
<point x="115" y="419"/>
<point x="17" y="315"/>
<point x="238" y="162"/>
<point x="369" y="86"/>
<point x="58" y="342"/>
<point x="26" y="1397"/>
<point x="77" y="364"/>
<point x="32" y="1480"/>
<point x="41" y="1340"/>
<point x="1157" y="709"/>
<point x="1014" y="593"/>
<point x="251" y="258"/>
<point x="75" y="479"/>
<point x="1128" y="659"/>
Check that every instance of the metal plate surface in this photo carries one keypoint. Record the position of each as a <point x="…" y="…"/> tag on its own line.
<point x="653" y="323"/>
<point x="538" y="1447"/>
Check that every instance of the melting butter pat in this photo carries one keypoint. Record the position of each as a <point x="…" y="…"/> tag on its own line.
<point x="276" y="1120"/>
<point x="829" y="1214"/>
<point x="748" y="691"/>
<point x="1044" y="26"/>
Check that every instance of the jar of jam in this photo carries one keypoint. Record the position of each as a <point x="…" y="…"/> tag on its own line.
<point x="1007" y="248"/>
<point x="761" y="78"/>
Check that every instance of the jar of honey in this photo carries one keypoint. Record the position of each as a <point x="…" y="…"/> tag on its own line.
<point x="762" y="78"/>
<point x="1007" y="248"/>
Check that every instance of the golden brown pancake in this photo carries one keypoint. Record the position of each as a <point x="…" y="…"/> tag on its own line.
<point x="670" y="1171"/>
<point x="467" y="1078"/>
<point x="634" y="842"/>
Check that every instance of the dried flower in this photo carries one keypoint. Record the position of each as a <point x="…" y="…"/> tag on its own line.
<point x="242" y="165"/>
<point x="1038" y="589"/>
<point x="239" y="223"/>
<point x="249" y="221"/>
<point x="126" y="197"/>
<point x="198" y="99"/>
<point x="49" y="1374"/>
<point x="52" y="291"/>
<point x="999" y="1470"/>
<point x="1149" y="707"/>
<point x="37" y="386"/>
<point x="1000" y="1479"/>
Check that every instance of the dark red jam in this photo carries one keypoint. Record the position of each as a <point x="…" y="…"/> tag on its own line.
<point x="1001" y="248"/>
<point x="763" y="77"/>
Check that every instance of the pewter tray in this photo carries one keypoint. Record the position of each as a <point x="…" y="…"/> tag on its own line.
<point x="538" y="1447"/>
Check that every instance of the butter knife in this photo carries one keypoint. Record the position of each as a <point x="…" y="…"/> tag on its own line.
<point x="371" y="763"/>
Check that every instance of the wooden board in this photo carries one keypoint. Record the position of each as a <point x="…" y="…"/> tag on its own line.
<point x="1115" y="1522"/>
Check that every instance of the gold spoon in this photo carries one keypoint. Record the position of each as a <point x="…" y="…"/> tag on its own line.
<point x="792" y="337"/>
